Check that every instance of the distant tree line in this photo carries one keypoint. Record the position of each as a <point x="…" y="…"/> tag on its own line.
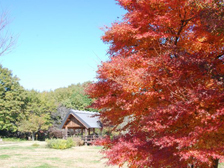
<point x="26" y="113"/>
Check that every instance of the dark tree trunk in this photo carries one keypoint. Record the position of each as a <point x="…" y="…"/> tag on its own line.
<point x="215" y="163"/>
<point x="190" y="165"/>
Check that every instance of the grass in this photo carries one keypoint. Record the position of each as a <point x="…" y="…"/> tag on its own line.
<point x="35" y="145"/>
<point x="53" y="158"/>
<point x="4" y="156"/>
<point x="13" y="139"/>
<point x="221" y="165"/>
<point x="98" y="147"/>
<point x="9" y="148"/>
<point x="45" y="165"/>
<point x="28" y="155"/>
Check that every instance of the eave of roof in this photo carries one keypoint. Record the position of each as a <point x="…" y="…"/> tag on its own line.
<point x="82" y="116"/>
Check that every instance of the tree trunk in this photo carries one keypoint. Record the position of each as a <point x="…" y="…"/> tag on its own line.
<point x="190" y="165"/>
<point x="33" y="135"/>
<point x="215" y="163"/>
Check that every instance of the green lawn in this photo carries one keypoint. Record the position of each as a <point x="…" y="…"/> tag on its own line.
<point x="221" y="165"/>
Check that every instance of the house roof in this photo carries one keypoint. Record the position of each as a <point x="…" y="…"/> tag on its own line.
<point x="88" y="119"/>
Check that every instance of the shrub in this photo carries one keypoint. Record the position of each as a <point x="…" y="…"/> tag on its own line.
<point x="78" y="141"/>
<point x="54" y="132"/>
<point x="60" y="143"/>
<point x="70" y="143"/>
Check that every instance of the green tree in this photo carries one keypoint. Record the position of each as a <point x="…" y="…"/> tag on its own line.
<point x="34" y="123"/>
<point x="73" y="96"/>
<point x="78" y="99"/>
<point x="12" y="98"/>
<point x="39" y="106"/>
<point x="39" y="103"/>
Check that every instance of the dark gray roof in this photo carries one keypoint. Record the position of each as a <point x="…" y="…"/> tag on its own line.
<point x="87" y="118"/>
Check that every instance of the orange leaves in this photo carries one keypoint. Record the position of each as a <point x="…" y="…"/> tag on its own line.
<point x="165" y="74"/>
<point x="125" y="71"/>
<point x="220" y="68"/>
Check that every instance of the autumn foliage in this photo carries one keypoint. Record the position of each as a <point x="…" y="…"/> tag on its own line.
<point x="166" y="75"/>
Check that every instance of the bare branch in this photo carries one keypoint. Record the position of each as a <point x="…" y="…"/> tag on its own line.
<point x="7" y="42"/>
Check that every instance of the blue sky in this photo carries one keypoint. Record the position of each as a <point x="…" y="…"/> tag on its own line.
<point x="58" y="41"/>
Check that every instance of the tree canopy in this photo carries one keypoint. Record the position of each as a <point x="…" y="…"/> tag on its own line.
<point x="34" y="123"/>
<point x="22" y="110"/>
<point x="12" y="100"/>
<point x="165" y="73"/>
<point x="73" y="96"/>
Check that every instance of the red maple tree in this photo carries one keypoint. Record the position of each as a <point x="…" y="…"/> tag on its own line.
<point x="165" y="77"/>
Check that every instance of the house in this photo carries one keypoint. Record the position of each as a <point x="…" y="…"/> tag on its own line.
<point x="85" y="121"/>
